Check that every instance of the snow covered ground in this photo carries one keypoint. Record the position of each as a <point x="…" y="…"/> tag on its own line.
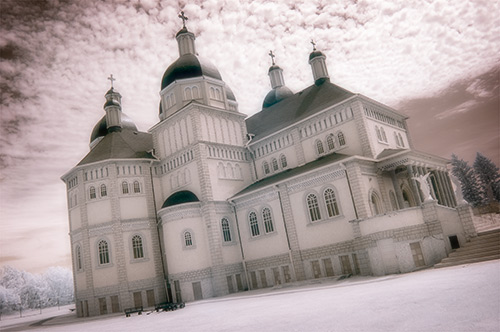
<point x="459" y="298"/>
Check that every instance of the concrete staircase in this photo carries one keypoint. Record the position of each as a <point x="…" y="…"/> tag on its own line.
<point x="486" y="222"/>
<point x="484" y="247"/>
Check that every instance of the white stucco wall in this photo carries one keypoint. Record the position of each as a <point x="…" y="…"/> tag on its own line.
<point x="99" y="211"/>
<point x="133" y="207"/>
<point x="391" y="220"/>
<point x="75" y="219"/>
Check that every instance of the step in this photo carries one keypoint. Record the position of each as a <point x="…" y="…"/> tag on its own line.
<point x="492" y="231"/>
<point x="480" y="244"/>
<point x="467" y="261"/>
<point x="474" y="254"/>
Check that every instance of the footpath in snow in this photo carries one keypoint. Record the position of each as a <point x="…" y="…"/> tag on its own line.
<point x="458" y="298"/>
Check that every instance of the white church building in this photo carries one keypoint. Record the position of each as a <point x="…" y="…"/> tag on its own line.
<point x="320" y="183"/>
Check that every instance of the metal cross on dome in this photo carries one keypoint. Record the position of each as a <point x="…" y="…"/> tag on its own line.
<point x="272" y="56"/>
<point x="313" y="44"/>
<point x="112" y="79"/>
<point x="183" y="18"/>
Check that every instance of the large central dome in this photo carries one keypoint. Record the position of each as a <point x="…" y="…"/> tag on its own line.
<point x="187" y="66"/>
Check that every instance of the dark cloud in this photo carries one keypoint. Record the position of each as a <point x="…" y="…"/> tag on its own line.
<point x="462" y="119"/>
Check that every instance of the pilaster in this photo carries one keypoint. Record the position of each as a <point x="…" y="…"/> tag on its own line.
<point x="299" y="149"/>
<point x="466" y="218"/>
<point x="358" y="191"/>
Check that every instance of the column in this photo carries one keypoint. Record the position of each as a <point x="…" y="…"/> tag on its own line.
<point x="412" y="171"/>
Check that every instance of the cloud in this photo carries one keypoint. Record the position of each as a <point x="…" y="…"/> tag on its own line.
<point x="56" y="57"/>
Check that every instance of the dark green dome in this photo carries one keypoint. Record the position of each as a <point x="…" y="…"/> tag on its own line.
<point x="188" y="66"/>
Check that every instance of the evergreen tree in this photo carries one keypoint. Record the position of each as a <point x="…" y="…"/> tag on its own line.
<point x="488" y="176"/>
<point x="465" y="174"/>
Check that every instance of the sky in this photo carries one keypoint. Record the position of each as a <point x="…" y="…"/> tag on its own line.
<point x="436" y="61"/>
<point x="459" y="298"/>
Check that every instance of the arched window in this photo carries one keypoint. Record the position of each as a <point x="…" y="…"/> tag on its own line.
<point x="265" y="165"/>
<point x="78" y="254"/>
<point x="229" y="171"/>
<point x="268" y="220"/>
<point x="195" y="92"/>
<point x="188" y="239"/>
<point x="237" y="172"/>
<point x="226" y="232"/>
<point x="125" y="187"/>
<point x="218" y="95"/>
<point x="341" y="138"/>
<point x="382" y="132"/>
<point x="284" y="164"/>
<point x="312" y="205"/>
<point x="274" y="164"/>
<point x="137" y="187"/>
<point x="375" y="204"/>
<point x="188" y="93"/>
<point x="103" y="252"/>
<point x="221" y="170"/>
<point x="331" y="203"/>
<point x="254" y="225"/>
<point x="319" y="147"/>
<point x="401" y="140"/>
<point x="137" y="247"/>
<point x="92" y="192"/>
<point x="330" y="142"/>
<point x="379" y="136"/>
<point x="212" y="92"/>
<point x="104" y="191"/>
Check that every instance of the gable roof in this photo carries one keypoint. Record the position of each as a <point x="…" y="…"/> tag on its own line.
<point x="125" y="144"/>
<point x="295" y="108"/>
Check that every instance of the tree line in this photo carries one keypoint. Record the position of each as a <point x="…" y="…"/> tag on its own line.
<point x="23" y="290"/>
<point x="480" y="182"/>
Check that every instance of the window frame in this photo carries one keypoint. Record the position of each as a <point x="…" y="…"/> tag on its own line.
<point x="125" y="188"/>
<point x="103" y="190"/>
<point x="101" y="255"/>
<point x="138" y="248"/>
<point x="253" y="224"/>
<point x="227" y="237"/>
<point x="268" y="222"/>
<point x="92" y="193"/>
<point x="335" y="202"/>
<point x="185" y="245"/>
<point x="316" y="216"/>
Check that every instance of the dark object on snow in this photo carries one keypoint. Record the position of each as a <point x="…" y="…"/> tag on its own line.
<point x="129" y="311"/>
<point x="345" y="276"/>
<point x="168" y="306"/>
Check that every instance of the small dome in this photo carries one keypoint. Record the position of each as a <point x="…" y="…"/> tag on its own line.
<point x="180" y="197"/>
<point x="273" y="67"/>
<point x="315" y="54"/>
<point x="276" y="95"/>
<point x="100" y="129"/>
<point x="230" y="94"/>
<point x="187" y="66"/>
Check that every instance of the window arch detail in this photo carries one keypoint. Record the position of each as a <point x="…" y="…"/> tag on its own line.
<point x="341" y="138"/>
<point x="137" y="247"/>
<point x="92" y="193"/>
<point x="283" y="161"/>
<point x="104" y="191"/>
<point x="330" y="142"/>
<point x="268" y="220"/>
<point x="313" y="207"/>
<point x="78" y="256"/>
<point x="254" y="224"/>
<point x="331" y="204"/>
<point x="125" y="187"/>
<point x="226" y="230"/>
<point x="319" y="147"/>
<point x="103" y="252"/>
<point x="137" y="187"/>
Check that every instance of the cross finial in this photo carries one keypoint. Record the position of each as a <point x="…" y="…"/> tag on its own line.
<point x="183" y="18"/>
<point x="313" y="44"/>
<point x="111" y="78"/>
<point x="272" y="56"/>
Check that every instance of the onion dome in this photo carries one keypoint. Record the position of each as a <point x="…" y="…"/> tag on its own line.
<point x="230" y="94"/>
<point x="279" y="90"/>
<point x="315" y="53"/>
<point x="276" y="95"/>
<point x="101" y="128"/>
<point x="188" y="66"/>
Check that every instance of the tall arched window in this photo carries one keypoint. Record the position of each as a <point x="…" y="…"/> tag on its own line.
<point x="341" y="138"/>
<point x="330" y="142"/>
<point x="188" y="93"/>
<point x="268" y="220"/>
<point x="379" y="136"/>
<point x="92" y="192"/>
<point x="188" y="239"/>
<point x="375" y="204"/>
<point x="103" y="252"/>
<point x="331" y="203"/>
<point x="254" y="225"/>
<point x="78" y="254"/>
<point x="226" y="231"/>
<point x="125" y="187"/>
<point x="319" y="147"/>
<point x="274" y="164"/>
<point x="265" y="165"/>
<point x="104" y="191"/>
<point x="137" y="247"/>
<point x="137" y="187"/>
<point x="283" y="161"/>
<point x="394" y="202"/>
<point x="401" y="140"/>
<point x="382" y="132"/>
<point x="195" y="92"/>
<point x="312" y="205"/>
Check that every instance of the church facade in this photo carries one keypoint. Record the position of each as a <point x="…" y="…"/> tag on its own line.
<point x="319" y="183"/>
